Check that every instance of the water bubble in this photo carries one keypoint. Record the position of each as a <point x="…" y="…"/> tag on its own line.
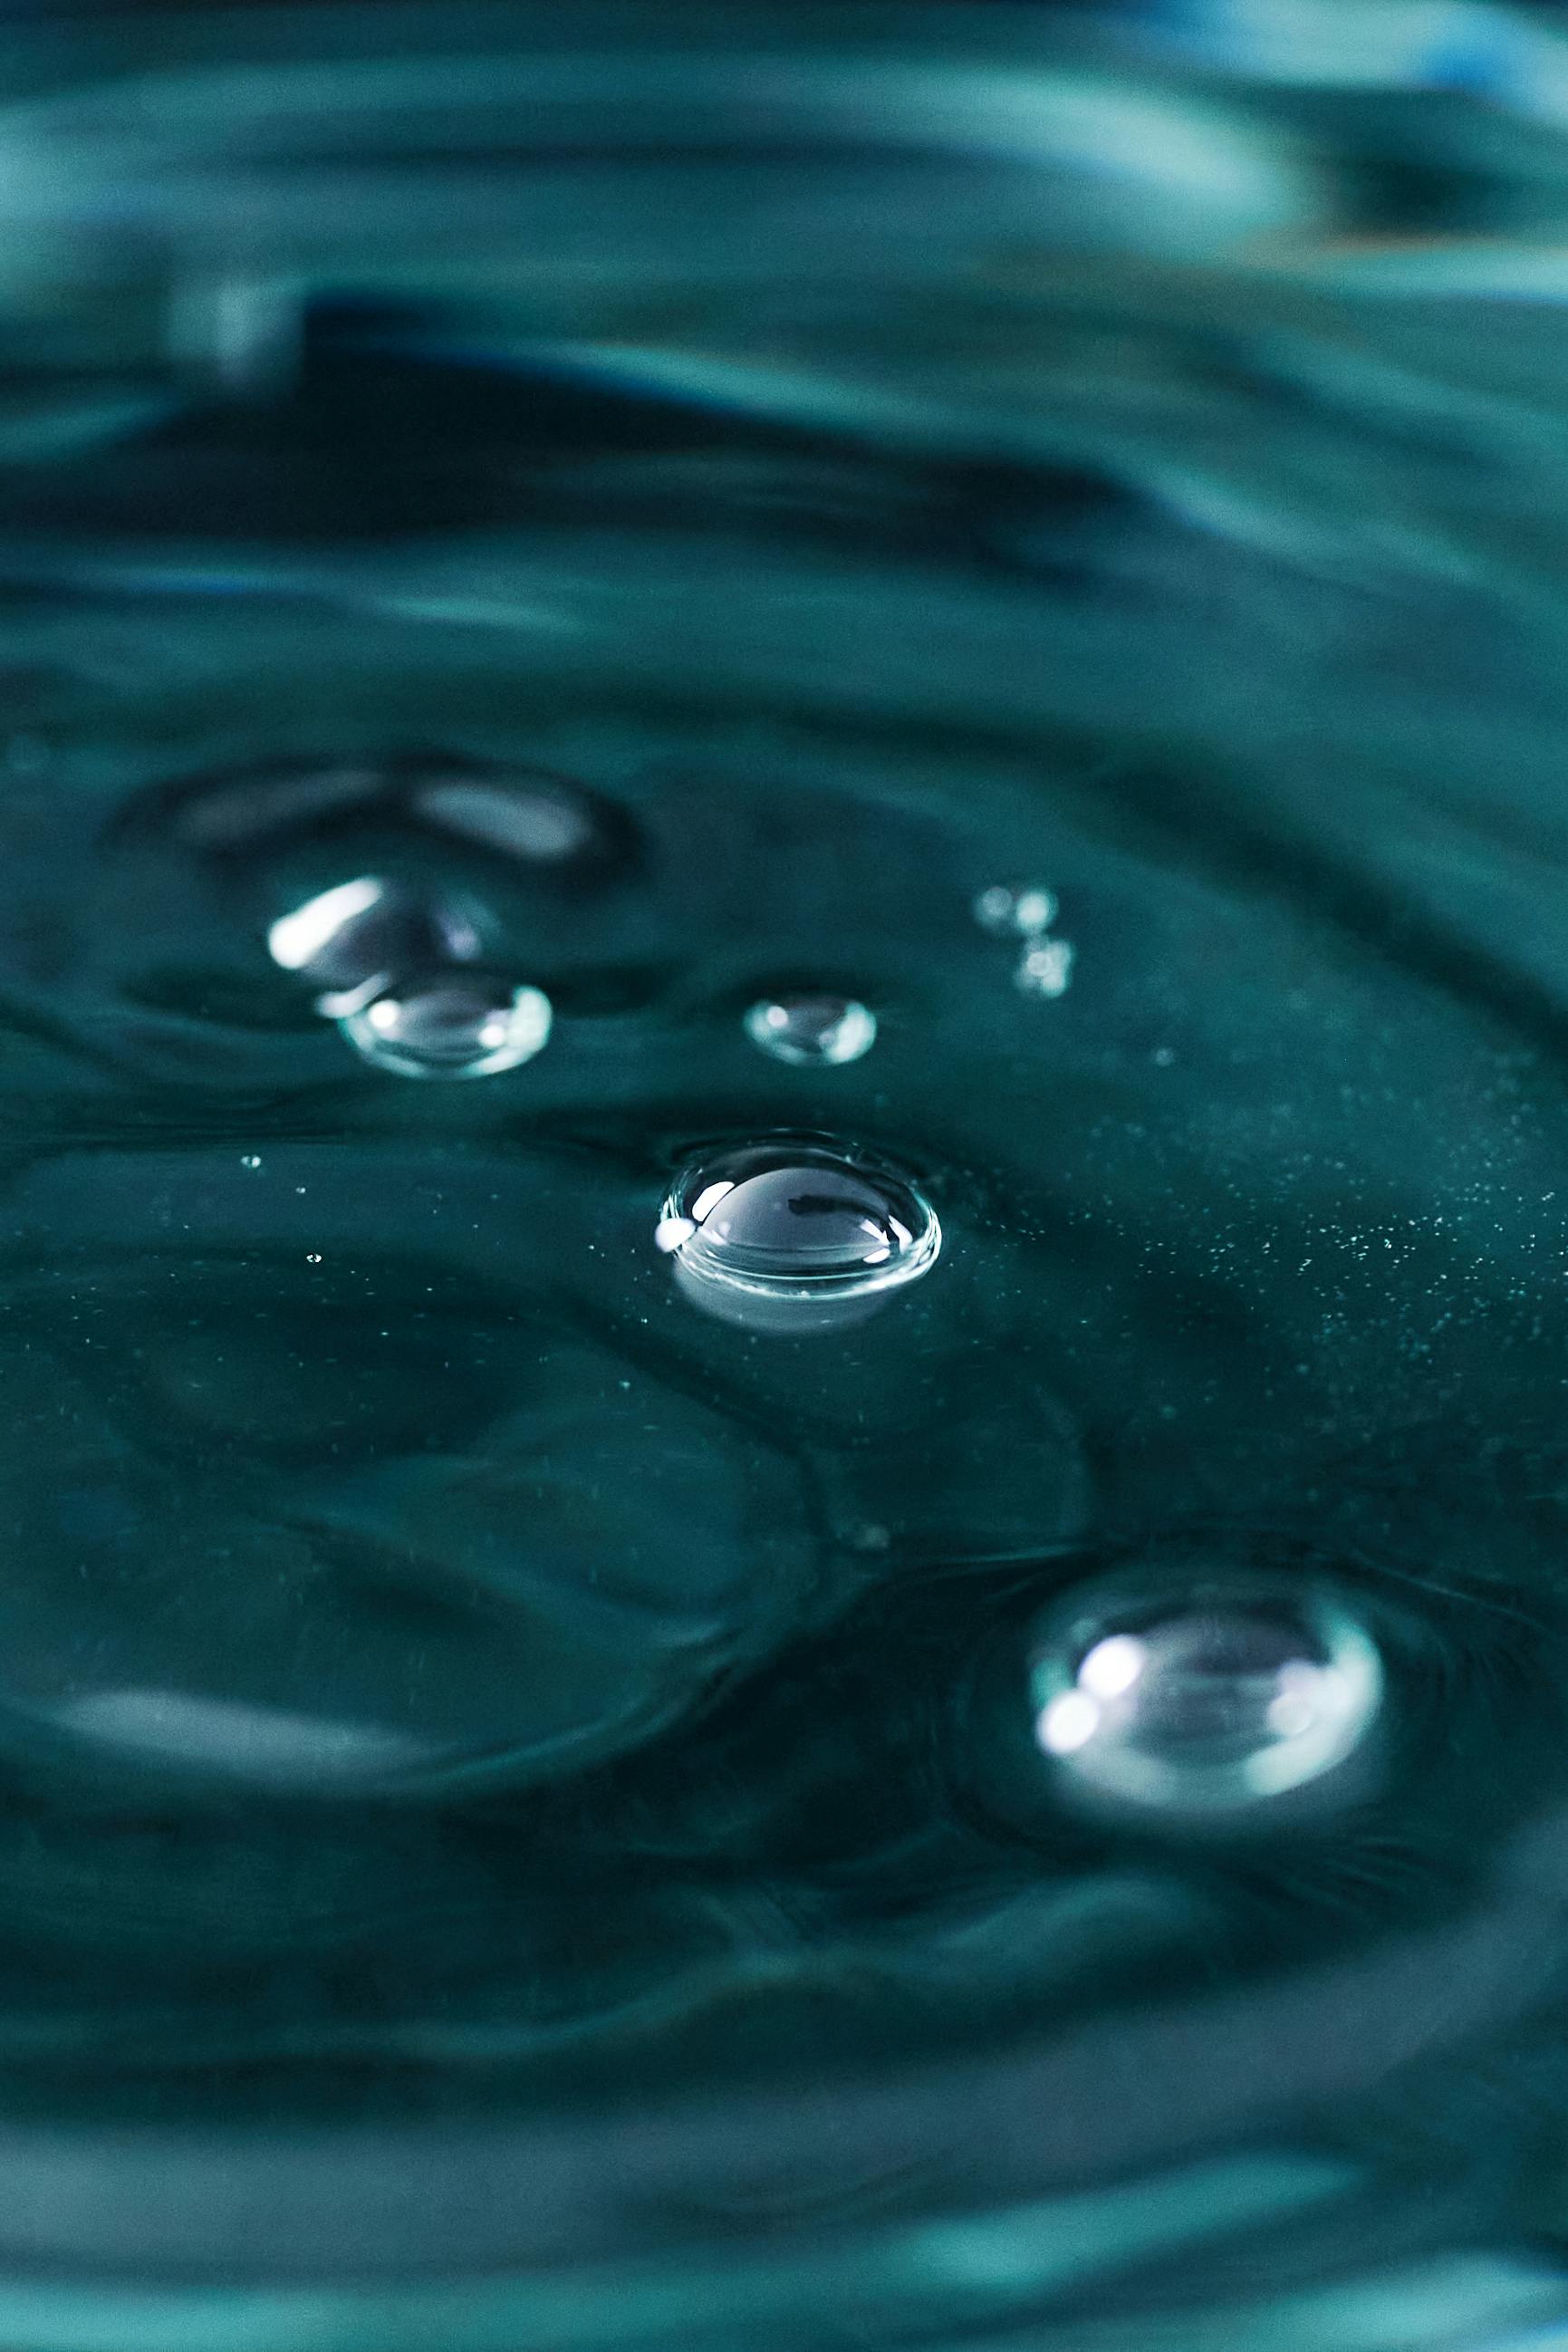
<point x="352" y="942"/>
<point x="793" y="1237"/>
<point x="466" y="1024"/>
<point x="811" y="1028"/>
<point x="1045" y="968"/>
<point x="1020" y="913"/>
<point x="1200" y="1703"/>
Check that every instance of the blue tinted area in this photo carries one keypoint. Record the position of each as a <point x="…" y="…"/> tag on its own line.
<point x="892" y="1677"/>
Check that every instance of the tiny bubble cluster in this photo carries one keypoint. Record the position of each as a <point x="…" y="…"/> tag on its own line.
<point x="1021" y="913"/>
<point x="1044" y="967"/>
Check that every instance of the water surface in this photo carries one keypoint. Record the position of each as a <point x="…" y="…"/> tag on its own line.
<point x="781" y="1206"/>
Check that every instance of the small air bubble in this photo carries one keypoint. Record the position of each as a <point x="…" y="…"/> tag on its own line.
<point x="466" y="1024"/>
<point x="352" y="942"/>
<point x="807" y="1029"/>
<point x="1045" y="969"/>
<point x="1019" y="913"/>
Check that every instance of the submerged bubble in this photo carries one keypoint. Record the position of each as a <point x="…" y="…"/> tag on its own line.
<point x="1045" y="968"/>
<point x="794" y="1238"/>
<point x="466" y="1024"/>
<point x="1019" y="913"/>
<point x="811" y="1028"/>
<point x="1201" y="1703"/>
<point x="351" y="942"/>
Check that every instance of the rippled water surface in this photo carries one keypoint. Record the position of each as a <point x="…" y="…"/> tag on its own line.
<point x="784" y="1181"/>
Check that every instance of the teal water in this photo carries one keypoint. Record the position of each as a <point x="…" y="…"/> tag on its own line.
<point x="782" y="1196"/>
